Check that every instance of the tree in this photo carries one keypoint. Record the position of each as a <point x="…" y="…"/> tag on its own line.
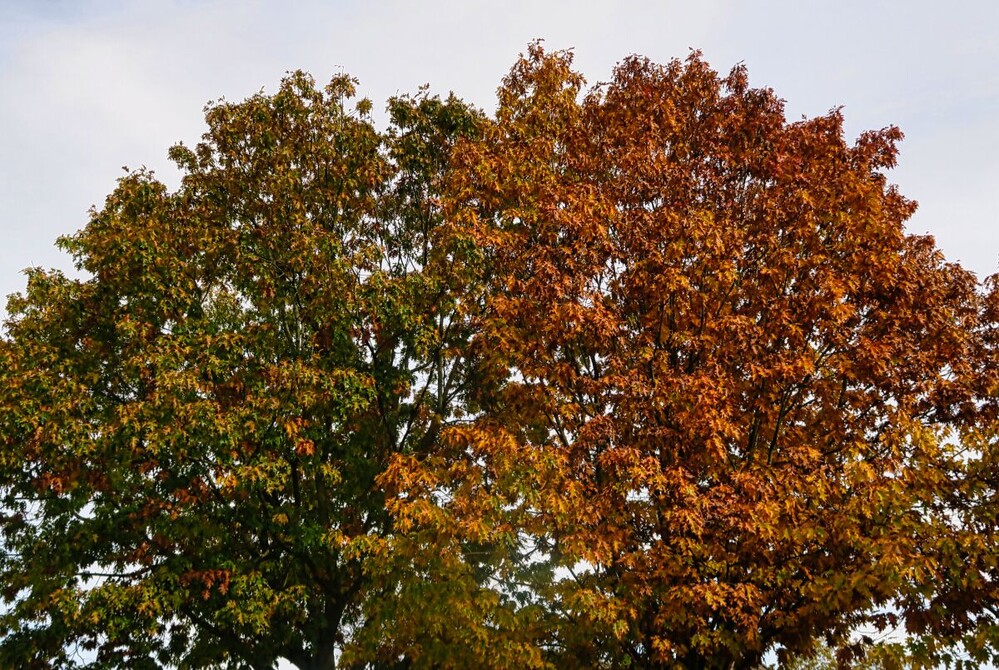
<point x="737" y="404"/>
<point x="646" y="378"/>
<point x="191" y="436"/>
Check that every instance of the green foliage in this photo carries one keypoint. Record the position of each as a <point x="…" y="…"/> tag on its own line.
<point x="191" y="436"/>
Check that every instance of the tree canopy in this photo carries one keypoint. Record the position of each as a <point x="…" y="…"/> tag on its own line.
<point x="641" y="376"/>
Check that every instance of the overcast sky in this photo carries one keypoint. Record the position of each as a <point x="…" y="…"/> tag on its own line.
<point x="87" y="86"/>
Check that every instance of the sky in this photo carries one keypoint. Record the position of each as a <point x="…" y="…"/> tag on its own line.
<point x="90" y="86"/>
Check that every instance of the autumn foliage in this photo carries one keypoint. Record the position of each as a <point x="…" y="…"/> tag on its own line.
<point x="636" y="376"/>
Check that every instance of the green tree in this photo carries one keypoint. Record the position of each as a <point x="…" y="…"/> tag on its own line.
<point x="191" y="437"/>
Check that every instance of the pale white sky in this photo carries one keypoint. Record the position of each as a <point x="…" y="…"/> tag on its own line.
<point x="87" y="86"/>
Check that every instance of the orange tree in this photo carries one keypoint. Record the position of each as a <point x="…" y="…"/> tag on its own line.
<point x="643" y="378"/>
<point x="735" y="408"/>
